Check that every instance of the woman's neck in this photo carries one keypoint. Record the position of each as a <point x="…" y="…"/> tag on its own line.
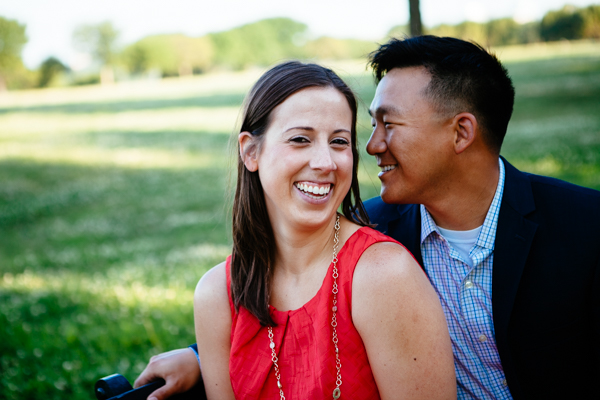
<point x="299" y="249"/>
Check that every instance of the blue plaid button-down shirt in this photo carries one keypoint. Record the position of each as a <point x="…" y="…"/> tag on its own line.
<point x="466" y="296"/>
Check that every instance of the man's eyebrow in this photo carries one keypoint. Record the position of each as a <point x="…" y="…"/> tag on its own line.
<point x="385" y="110"/>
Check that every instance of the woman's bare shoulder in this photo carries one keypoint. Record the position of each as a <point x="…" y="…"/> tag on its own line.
<point x="212" y="287"/>
<point x="400" y="320"/>
<point x="383" y="260"/>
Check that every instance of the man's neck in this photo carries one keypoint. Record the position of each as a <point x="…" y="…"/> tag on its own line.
<point x="465" y="205"/>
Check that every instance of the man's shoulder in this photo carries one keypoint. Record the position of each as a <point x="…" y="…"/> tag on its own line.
<point x="558" y="186"/>
<point x="381" y="212"/>
<point x="550" y="193"/>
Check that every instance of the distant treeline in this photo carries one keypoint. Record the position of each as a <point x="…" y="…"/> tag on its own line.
<point x="568" y="23"/>
<point x="263" y="42"/>
<point x="258" y="44"/>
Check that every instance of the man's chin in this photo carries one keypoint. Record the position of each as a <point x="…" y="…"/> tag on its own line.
<point x="393" y="198"/>
<point x="388" y="197"/>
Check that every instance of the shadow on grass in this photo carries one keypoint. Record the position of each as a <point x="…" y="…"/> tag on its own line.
<point x="209" y="101"/>
<point x="191" y="141"/>
<point x="59" y="216"/>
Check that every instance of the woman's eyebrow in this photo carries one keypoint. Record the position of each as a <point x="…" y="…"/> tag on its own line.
<point x="302" y="128"/>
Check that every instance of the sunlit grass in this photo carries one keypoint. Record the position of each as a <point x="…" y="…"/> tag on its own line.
<point x="114" y="202"/>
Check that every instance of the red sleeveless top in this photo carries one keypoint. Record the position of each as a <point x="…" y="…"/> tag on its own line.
<point x="303" y="341"/>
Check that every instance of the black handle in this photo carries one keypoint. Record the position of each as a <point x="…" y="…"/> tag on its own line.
<point x="116" y="387"/>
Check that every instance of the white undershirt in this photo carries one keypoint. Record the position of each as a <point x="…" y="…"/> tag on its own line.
<point x="461" y="241"/>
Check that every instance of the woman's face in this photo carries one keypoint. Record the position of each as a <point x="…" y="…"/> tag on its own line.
<point x="305" y="160"/>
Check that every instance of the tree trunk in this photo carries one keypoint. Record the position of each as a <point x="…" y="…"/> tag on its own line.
<point x="107" y="76"/>
<point x="416" y="28"/>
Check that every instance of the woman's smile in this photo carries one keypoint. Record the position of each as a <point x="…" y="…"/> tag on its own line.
<point x="314" y="191"/>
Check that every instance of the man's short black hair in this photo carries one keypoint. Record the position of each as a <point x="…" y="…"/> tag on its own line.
<point x="464" y="78"/>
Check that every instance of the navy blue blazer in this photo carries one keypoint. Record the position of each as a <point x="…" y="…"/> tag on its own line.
<point x="545" y="284"/>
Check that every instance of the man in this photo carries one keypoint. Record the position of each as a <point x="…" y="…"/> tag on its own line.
<point x="514" y="257"/>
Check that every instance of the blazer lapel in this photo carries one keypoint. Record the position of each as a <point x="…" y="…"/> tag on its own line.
<point x="514" y="236"/>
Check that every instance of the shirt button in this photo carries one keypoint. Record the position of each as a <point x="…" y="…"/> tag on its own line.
<point x="482" y="338"/>
<point x="468" y="284"/>
<point x="504" y="383"/>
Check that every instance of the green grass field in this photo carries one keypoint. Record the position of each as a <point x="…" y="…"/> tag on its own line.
<point x="113" y="203"/>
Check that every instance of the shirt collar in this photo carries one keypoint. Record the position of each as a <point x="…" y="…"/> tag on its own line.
<point x="487" y="236"/>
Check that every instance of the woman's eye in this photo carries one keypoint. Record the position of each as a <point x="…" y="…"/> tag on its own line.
<point x="299" y="139"/>
<point x="340" y="141"/>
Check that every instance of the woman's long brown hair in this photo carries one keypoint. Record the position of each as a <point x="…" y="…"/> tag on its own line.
<point x="253" y="254"/>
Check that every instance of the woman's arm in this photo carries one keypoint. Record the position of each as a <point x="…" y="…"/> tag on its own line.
<point x="212" y="318"/>
<point x="400" y="320"/>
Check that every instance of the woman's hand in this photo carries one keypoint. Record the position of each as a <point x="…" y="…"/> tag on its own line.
<point x="179" y="368"/>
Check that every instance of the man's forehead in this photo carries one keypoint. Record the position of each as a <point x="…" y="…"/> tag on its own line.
<point x="397" y="87"/>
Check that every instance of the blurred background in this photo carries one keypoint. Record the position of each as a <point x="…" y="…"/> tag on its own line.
<point x="115" y="164"/>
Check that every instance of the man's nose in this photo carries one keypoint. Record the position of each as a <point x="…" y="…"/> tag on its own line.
<point x="376" y="143"/>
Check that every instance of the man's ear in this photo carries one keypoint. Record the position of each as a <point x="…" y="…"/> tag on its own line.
<point x="466" y="130"/>
<point x="248" y="151"/>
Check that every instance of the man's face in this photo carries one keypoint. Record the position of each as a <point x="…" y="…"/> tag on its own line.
<point x="412" y="143"/>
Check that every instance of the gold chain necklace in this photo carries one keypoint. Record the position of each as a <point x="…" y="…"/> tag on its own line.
<point x="334" y="337"/>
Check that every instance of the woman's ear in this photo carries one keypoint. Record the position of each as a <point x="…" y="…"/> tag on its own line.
<point x="248" y="151"/>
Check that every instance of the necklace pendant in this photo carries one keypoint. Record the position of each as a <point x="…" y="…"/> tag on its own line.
<point x="337" y="393"/>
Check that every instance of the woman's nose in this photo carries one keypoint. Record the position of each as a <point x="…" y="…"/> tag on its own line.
<point x="322" y="158"/>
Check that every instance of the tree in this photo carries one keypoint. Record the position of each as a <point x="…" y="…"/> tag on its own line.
<point x="416" y="27"/>
<point x="327" y="48"/>
<point x="399" y="31"/>
<point x="171" y="54"/>
<point x="566" y="23"/>
<point x="101" y="42"/>
<point x="49" y="70"/>
<point x="591" y="27"/>
<point x="12" y="40"/>
<point x="259" y="43"/>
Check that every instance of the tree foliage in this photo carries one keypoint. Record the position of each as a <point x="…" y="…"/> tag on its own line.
<point x="170" y="54"/>
<point x="571" y="23"/>
<point x="50" y="69"/>
<point x="12" y="40"/>
<point x="328" y="48"/>
<point x="259" y="43"/>
<point x="99" y="40"/>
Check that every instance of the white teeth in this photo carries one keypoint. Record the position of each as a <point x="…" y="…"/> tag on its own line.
<point x="386" y="168"/>
<point x="315" y="190"/>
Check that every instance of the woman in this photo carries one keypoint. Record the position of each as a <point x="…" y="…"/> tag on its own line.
<point x="313" y="304"/>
